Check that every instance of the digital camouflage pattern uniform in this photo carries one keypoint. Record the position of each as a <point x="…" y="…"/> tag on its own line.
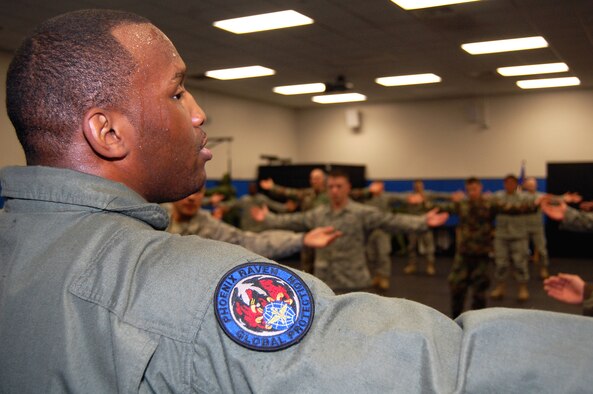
<point x="308" y="199"/>
<point x="272" y="243"/>
<point x="244" y="205"/>
<point x="510" y="240"/>
<point x="422" y="241"/>
<point x="342" y="265"/>
<point x="378" y="246"/>
<point x="534" y="224"/>
<point x="575" y="220"/>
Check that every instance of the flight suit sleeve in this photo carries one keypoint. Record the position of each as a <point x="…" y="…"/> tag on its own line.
<point x="361" y="342"/>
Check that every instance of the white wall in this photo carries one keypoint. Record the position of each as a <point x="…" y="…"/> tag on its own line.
<point x="445" y="139"/>
<point x="434" y="139"/>
<point x="256" y="129"/>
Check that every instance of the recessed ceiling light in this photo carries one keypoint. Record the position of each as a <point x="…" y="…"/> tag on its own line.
<point x="339" y="98"/>
<point x="416" y="4"/>
<point x="513" y="44"/>
<point x="300" y="89"/>
<point x="548" y="83"/>
<point x="414" y="79"/>
<point x="240" y="72"/>
<point x="531" y="69"/>
<point x="261" y="22"/>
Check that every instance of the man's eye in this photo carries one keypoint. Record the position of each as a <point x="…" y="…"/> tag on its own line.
<point x="178" y="96"/>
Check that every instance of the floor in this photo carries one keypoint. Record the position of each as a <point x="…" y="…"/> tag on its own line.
<point x="433" y="290"/>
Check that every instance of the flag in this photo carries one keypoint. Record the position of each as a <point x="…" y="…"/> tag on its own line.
<point x="522" y="173"/>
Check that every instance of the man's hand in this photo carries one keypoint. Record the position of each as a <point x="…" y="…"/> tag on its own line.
<point x="320" y="237"/>
<point x="553" y="207"/>
<point x="566" y="288"/>
<point x="291" y="205"/>
<point x="586" y="206"/>
<point x="415" y="198"/>
<point x="375" y="187"/>
<point x="216" y="198"/>
<point x="259" y="213"/>
<point x="266" y="184"/>
<point x="434" y="218"/>
<point x="572" y="198"/>
<point x="457" y="196"/>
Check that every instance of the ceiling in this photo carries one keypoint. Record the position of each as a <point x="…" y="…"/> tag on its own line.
<point x="359" y="39"/>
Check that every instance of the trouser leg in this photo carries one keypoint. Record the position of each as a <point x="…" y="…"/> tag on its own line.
<point x="458" y="284"/>
<point x="307" y="259"/>
<point x="480" y="281"/>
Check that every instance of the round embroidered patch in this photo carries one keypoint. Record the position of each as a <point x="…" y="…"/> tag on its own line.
<point x="263" y="306"/>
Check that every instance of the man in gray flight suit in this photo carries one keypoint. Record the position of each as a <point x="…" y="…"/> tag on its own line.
<point x="186" y="218"/>
<point x="95" y="297"/>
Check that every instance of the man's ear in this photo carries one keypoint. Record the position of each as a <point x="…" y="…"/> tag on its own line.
<point x="108" y="133"/>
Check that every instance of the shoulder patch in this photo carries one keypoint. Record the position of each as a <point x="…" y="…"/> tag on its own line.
<point x="263" y="306"/>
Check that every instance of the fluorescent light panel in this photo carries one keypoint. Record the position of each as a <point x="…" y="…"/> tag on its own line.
<point x="339" y="98"/>
<point x="414" y="79"/>
<point x="417" y="4"/>
<point x="548" y="83"/>
<point x="240" y="72"/>
<point x="513" y="44"/>
<point x="532" y="69"/>
<point x="270" y="21"/>
<point x="300" y="89"/>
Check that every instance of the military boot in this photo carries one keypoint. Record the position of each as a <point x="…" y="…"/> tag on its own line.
<point x="498" y="292"/>
<point x="543" y="272"/>
<point x="381" y="282"/>
<point x="430" y="269"/>
<point x="410" y="268"/>
<point x="523" y="293"/>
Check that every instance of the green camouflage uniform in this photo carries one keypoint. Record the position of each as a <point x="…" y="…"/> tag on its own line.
<point x="475" y="234"/>
<point x="342" y="265"/>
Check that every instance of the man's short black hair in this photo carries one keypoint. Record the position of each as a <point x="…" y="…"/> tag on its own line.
<point x="68" y="65"/>
<point x="472" y="180"/>
<point x="511" y="176"/>
<point x="338" y="172"/>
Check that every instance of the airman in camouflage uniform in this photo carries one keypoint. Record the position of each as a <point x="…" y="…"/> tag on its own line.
<point x="342" y="265"/>
<point x="511" y="242"/>
<point x="308" y="198"/>
<point x="422" y="240"/>
<point x="378" y="246"/>
<point x="534" y="223"/>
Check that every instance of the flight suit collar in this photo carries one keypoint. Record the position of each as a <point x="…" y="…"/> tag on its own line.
<point x="68" y="189"/>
